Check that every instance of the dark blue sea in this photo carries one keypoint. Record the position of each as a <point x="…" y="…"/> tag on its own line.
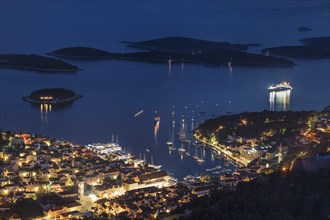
<point x="113" y="91"/>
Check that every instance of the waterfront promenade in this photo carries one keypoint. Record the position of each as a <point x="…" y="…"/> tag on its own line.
<point x="222" y="149"/>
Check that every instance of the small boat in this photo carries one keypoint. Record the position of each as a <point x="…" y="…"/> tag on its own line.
<point x="170" y="139"/>
<point x="169" y="143"/>
<point x="217" y="156"/>
<point x="200" y="161"/>
<point x="138" y="113"/>
<point x="181" y="149"/>
<point x="156" y="118"/>
<point x="157" y="167"/>
<point x="148" y="150"/>
<point x="170" y="148"/>
<point x="195" y="157"/>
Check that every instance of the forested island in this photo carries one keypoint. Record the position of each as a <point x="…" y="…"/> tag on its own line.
<point x="83" y="53"/>
<point x="181" y="50"/>
<point x="315" y="47"/>
<point x="54" y="96"/>
<point x="186" y="45"/>
<point x="35" y="62"/>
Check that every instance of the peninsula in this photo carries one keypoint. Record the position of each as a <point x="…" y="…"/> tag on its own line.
<point x="181" y="50"/>
<point x="54" y="96"/>
<point x="266" y="137"/>
<point x="35" y="62"/>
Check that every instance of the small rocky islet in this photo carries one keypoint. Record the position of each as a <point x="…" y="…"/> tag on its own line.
<point x="53" y="96"/>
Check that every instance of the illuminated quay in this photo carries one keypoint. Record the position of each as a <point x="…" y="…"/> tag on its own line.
<point x="219" y="148"/>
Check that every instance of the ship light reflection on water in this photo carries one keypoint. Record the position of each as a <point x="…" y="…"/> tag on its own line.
<point x="279" y="100"/>
<point x="156" y="129"/>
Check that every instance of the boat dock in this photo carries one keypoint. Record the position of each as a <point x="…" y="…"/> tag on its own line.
<point x="222" y="149"/>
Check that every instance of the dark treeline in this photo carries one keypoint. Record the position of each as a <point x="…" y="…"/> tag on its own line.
<point x="293" y="196"/>
<point x="256" y="123"/>
<point x="54" y="92"/>
<point x="35" y="62"/>
<point x="314" y="47"/>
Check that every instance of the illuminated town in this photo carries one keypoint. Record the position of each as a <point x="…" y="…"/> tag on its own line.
<point x="222" y="109"/>
<point x="64" y="180"/>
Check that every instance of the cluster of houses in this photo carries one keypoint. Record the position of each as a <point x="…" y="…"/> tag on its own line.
<point x="36" y="166"/>
<point x="266" y="150"/>
<point x="149" y="203"/>
<point x="254" y="148"/>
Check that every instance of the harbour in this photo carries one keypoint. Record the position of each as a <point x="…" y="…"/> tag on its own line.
<point x="114" y="92"/>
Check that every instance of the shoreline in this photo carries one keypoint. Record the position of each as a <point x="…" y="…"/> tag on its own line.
<point x="124" y="57"/>
<point x="40" y="69"/>
<point x="241" y="160"/>
<point x="35" y="62"/>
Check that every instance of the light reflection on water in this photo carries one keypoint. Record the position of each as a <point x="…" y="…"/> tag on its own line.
<point x="44" y="109"/>
<point x="156" y="129"/>
<point x="279" y="101"/>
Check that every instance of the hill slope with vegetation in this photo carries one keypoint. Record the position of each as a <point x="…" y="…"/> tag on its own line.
<point x="275" y="196"/>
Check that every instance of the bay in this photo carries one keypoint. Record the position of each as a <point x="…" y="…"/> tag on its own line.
<point x="113" y="91"/>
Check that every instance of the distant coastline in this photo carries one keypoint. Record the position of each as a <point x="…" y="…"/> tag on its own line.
<point x="181" y="50"/>
<point x="313" y="48"/>
<point x="171" y="50"/>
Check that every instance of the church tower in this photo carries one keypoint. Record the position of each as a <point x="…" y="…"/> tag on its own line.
<point x="280" y="153"/>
